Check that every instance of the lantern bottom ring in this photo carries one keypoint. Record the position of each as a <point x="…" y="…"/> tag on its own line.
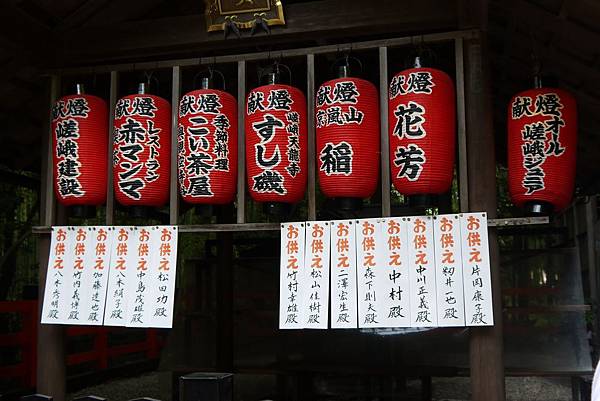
<point x="277" y="208"/>
<point x="538" y="208"/>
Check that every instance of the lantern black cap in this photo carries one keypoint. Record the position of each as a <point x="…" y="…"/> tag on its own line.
<point x="79" y="89"/>
<point x="538" y="208"/>
<point x="344" y="67"/>
<point x="422" y="201"/>
<point x="349" y="203"/>
<point x="344" y="71"/>
<point x="206" y="83"/>
<point x="277" y="209"/>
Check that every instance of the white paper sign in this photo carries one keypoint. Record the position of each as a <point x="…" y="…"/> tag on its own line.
<point x="96" y="261"/>
<point x="448" y="271"/>
<point x="422" y="272"/>
<point x="291" y="289"/>
<point x="370" y="273"/>
<point x="344" y="312"/>
<point x="396" y="291"/>
<point x="476" y="272"/>
<point x="122" y="262"/>
<point x="78" y="289"/>
<point x="315" y="305"/>
<point x="139" y="278"/>
<point x="162" y="272"/>
<point x="58" y="276"/>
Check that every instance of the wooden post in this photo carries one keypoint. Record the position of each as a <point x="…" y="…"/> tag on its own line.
<point x="225" y="298"/>
<point x="310" y="118"/>
<point x="110" y="192"/>
<point x="241" y="176"/>
<point x="386" y="186"/>
<point x="173" y="190"/>
<point x="51" y="361"/>
<point x="486" y="348"/>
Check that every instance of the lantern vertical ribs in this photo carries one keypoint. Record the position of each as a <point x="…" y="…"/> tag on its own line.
<point x="110" y="194"/>
<point x="454" y="39"/>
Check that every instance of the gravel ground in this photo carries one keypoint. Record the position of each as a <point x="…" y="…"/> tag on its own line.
<point x="146" y="385"/>
<point x="517" y="389"/>
<point x="444" y="389"/>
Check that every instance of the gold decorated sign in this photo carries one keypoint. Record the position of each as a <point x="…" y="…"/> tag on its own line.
<point x="243" y="14"/>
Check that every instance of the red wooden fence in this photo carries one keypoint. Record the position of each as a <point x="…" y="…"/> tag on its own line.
<point x="24" y="372"/>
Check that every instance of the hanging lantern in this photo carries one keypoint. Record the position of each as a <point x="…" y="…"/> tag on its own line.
<point x="542" y="146"/>
<point x="80" y="141"/>
<point x="347" y="137"/>
<point x="422" y="131"/>
<point x="142" y="149"/>
<point x="207" y="146"/>
<point x="276" y="142"/>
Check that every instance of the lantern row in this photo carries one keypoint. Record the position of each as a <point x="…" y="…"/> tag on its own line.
<point x="383" y="273"/>
<point x="542" y="127"/>
<point x="112" y="276"/>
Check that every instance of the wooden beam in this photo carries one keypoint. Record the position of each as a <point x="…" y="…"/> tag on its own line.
<point x="115" y="12"/>
<point x="386" y="186"/>
<point x="310" y="117"/>
<point x="36" y="38"/>
<point x="463" y="174"/>
<point x="304" y="21"/>
<point x="51" y="360"/>
<point x="486" y="343"/>
<point x="241" y="145"/>
<point x="174" y="187"/>
<point x="110" y="191"/>
<point x="84" y="12"/>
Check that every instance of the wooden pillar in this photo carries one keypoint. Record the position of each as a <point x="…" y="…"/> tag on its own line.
<point x="486" y="347"/>
<point x="225" y="280"/>
<point x="51" y="359"/>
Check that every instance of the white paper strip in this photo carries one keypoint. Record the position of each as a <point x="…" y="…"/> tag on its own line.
<point x="123" y="256"/>
<point x="162" y="273"/>
<point x="422" y="272"/>
<point x="476" y="273"/>
<point x="315" y="305"/>
<point x="58" y="276"/>
<point x="396" y="291"/>
<point x="79" y="290"/>
<point x="138" y="279"/>
<point x="370" y="273"/>
<point x="448" y="270"/>
<point x="291" y="289"/>
<point x="344" y="312"/>
<point x="95" y="275"/>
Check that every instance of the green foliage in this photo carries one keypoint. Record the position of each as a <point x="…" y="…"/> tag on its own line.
<point x="19" y="209"/>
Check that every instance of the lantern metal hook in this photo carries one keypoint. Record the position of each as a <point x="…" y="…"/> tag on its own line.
<point x="537" y="66"/>
<point x="150" y="77"/>
<point x="346" y="59"/>
<point x="211" y="73"/>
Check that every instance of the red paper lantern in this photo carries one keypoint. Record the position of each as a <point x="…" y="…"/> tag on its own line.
<point x="347" y="143"/>
<point x="542" y="148"/>
<point x="80" y="142"/>
<point x="207" y="147"/>
<point x="142" y="150"/>
<point x="422" y="131"/>
<point x="276" y="147"/>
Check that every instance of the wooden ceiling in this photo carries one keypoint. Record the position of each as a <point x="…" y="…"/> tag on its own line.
<point x="39" y="34"/>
